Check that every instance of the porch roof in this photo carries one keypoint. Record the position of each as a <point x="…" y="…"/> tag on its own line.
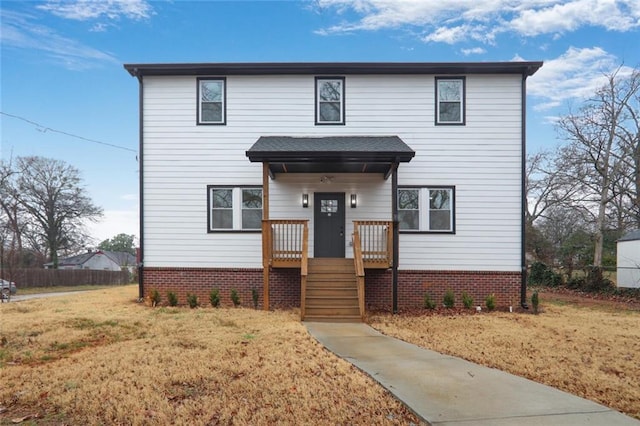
<point x="337" y="154"/>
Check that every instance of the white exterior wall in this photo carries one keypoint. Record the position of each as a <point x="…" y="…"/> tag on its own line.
<point x="481" y="159"/>
<point x="628" y="262"/>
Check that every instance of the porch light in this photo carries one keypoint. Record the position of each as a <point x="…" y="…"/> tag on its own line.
<point x="354" y="201"/>
<point x="305" y="200"/>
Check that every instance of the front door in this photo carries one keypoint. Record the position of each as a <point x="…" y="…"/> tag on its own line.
<point x="328" y="228"/>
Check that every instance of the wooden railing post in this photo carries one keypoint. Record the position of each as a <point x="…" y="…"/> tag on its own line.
<point x="304" y="269"/>
<point x="359" y="266"/>
<point x="266" y="261"/>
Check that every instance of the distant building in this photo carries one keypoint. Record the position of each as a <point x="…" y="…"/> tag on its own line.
<point x="628" y="274"/>
<point x="99" y="260"/>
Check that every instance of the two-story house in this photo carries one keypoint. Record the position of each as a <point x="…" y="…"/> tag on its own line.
<point x="335" y="187"/>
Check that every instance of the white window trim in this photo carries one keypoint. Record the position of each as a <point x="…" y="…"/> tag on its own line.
<point x="223" y="117"/>
<point x="463" y="89"/>
<point x="424" y="210"/>
<point x="236" y="203"/>
<point x="319" y="80"/>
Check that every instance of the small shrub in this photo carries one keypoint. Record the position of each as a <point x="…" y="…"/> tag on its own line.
<point x="214" y="297"/>
<point x="428" y="301"/>
<point x="596" y="282"/>
<point x="254" y="296"/>
<point x="172" y="298"/>
<point x="467" y="301"/>
<point x="541" y="274"/>
<point x="235" y="298"/>
<point x="449" y="299"/>
<point x="490" y="302"/>
<point x="155" y="298"/>
<point x="535" y="301"/>
<point x="576" y="282"/>
<point x="192" y="300"/>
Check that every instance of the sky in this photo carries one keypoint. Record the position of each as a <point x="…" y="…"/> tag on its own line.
<point x="65" y="94"/>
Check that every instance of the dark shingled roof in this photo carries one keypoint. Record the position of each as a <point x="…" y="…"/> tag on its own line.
<point x="347" y="154"/>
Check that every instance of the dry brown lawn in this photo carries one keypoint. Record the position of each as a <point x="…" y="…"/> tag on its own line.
<point x="585" y="347"/>
<point x="100" y="358"/>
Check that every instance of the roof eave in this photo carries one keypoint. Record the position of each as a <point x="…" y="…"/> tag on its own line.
<point x="273" y="68"/>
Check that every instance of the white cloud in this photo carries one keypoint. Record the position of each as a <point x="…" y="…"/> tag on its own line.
<point x="474" y="51"/>
<point x="576" y="74"/>
<point x="460" y="20"/>
<point x="83" y="10"/>
<point x="21" y="31"/>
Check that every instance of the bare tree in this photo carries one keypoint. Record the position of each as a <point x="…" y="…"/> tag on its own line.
<point x="50" y="191"/>
<point x="594" y="158"/>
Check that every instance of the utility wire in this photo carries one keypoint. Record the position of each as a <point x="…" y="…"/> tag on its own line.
<point x="45" y="129"/>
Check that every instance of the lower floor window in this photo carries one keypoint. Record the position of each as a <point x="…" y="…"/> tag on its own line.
<point x="234" y="208"/>
<point x="426" y="209"/>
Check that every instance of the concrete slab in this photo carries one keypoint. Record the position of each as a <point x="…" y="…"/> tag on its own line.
<point x="445" y="390"/>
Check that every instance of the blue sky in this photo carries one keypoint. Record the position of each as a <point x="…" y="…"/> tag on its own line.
<point x="62" y="62"/>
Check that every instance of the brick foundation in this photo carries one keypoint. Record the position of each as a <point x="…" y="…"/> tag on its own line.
<point x="284" y="286"/>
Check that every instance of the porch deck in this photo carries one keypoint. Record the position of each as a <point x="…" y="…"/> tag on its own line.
<point x="331" y="289"/>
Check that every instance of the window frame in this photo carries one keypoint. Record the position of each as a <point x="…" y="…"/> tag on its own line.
<point x="236" y="208"/>
<point x="199" y="119"/>
<point x="424" y="209"/>
<point x="463" y="101"/>
<point x="342" y="120"/>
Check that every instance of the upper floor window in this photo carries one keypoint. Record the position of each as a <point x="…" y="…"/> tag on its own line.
<point x="234" y="208"/>
<point x="329" y="100"/>
<point x="212" y="100"/>
<point x="426" y="209"/>
<point x="450" y="100"/>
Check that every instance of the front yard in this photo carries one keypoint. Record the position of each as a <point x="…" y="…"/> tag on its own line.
<point x="100" y="358"/>
<point x="586" y="347"/>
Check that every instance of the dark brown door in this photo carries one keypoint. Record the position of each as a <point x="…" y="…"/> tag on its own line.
<point x="328" y="228"/>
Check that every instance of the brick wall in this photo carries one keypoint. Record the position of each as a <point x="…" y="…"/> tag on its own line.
<point x="412" y="286"/>
<point x="284" y="288"/>
<point x="284" y="285"/>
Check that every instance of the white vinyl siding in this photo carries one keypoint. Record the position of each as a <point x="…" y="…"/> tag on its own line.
<point x="481" y="159"/>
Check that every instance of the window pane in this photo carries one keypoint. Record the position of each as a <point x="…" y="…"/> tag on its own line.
<point x="211" y="91"/>
<point x="439" y="220"/>
<point x="330" y="90"/>
<point x="408" y="199"/>
<point x="222" y="219"/>
<point x="252" y="198"/>
<point x="449" y="90"/>
<point x="222" y="198"/>
<point x="409" y="219"/>
<point x="440" y="199"/>
<point x="328" y="206"/>
<point x="251" y="219"/>
<point x="211" y="111"/>
<point x="330" y="111"/>
<point x="450" y="112"/>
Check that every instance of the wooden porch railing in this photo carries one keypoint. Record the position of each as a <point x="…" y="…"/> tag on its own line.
<point x="285" y="242"/>
<point x="376" y="239"/>
<point x="304" y="268"/>
<point x="359" y="265"/>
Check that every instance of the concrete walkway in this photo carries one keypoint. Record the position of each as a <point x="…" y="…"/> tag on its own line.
<point x="445" y="390"/>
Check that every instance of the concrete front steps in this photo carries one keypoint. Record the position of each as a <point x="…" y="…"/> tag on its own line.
<point x="332" y="292"/>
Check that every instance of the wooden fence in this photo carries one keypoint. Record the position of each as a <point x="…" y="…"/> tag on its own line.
<point x="26" y="278"/>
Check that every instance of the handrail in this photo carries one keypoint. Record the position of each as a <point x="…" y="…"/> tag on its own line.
<point x="285" y="242"/>
<point x="376" y="239"/>
<point x="359" y="266"/>
<point x="304" y="268"/>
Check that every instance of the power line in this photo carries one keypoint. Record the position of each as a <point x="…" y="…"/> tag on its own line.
<point x="45" y="129"/>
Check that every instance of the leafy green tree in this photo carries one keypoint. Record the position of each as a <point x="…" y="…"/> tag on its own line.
<point x="121" y="242"/>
